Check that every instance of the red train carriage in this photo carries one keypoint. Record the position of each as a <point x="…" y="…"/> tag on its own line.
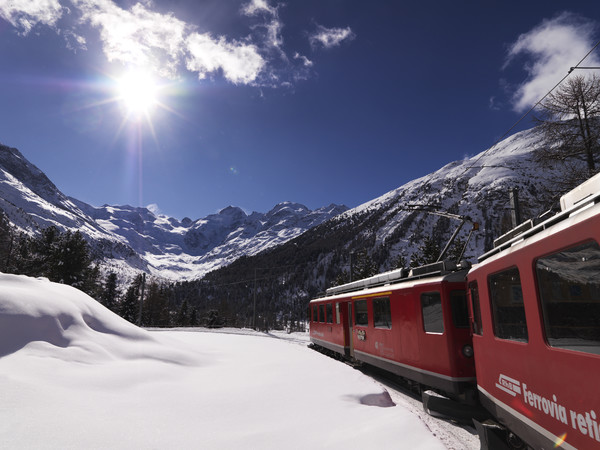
<point x="414" y="324"/>
<point x="535" y="309"/>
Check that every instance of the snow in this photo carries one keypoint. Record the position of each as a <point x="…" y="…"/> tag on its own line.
<point x="74" y="375"/>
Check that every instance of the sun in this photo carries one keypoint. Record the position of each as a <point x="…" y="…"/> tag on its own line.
<point x="137" y="91"/>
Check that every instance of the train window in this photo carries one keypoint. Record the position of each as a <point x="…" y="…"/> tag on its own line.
<point x="460" y="310"/>
<point x="477" y="329"/>
<point x="321" y="313"/>
<point x="431" y="307"/>
<point x="382" y="317"/>
<point x="329" y="310"/>
<point x="315" y="314"/>
<point x="361" y="315"/>
<point x="508" y="310"/>
<point x="337" y="312"/>
<point x="569" y="287"/>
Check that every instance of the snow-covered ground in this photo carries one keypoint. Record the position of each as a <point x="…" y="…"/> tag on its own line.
<point x="74" y="375"/>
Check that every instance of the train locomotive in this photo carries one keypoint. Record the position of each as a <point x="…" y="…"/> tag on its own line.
<point x="518" y="332"/>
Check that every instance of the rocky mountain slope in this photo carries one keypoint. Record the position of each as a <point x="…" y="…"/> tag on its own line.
<point x="391" y="229"/>
<point x="132" y="238"/>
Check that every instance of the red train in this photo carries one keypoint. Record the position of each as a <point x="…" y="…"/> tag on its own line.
<point x="520" y="330"/>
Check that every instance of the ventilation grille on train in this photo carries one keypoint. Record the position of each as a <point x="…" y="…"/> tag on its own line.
<point x="580" y="193"/>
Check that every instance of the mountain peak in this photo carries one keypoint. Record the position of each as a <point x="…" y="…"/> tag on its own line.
<point x="131" y="238"/>
<point x="232" y="211"/>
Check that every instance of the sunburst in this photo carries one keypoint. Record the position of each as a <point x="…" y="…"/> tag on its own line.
<point x="138" y="93"/>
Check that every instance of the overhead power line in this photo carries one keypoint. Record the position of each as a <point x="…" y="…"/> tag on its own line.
<point x="588" y="68"/>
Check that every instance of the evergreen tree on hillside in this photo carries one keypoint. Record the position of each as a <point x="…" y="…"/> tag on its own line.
<point x="182" y="315"/>
<point x="194" y="322"/>
<point x="73" y="260"/>
<point x="45" y="255"/>
<point x="155" y="309"/>
<point x="7" y="243"/>
<point x="92" y="285"/>
<point x="110" y="292"/>
<point x="363" y="266"/>
<point x="429" y="251"/>
<point x="22" y="260"/>
<point x="401" y="261"/>
<point x="129" y="306"/>
<point x="454" y="254"/>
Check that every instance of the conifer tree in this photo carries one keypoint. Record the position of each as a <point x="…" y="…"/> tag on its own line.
<point x="44" y="255"/>
<point x="401" y="261"/>
<point x="194" y="317"/>
<point x="429" y="251"/>
<point x="130" y="304"/>
<point x="73" y="260"/>
<point x="455" y="252"/>
<point x="23" y="261"/>
<point x="91" y="281"/>
<point x="110" y="292"/>
<point x="7" y="243"/>
<point x="156" y="311"/>
<point x="182" y="316"/>
<point x="364" y="267"/>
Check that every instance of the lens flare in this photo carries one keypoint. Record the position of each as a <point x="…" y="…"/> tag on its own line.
<point x="561" y="440"/>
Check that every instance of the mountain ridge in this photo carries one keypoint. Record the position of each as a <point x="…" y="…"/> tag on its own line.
<point x="391" y="230"/>
<point x="130" y="238"/>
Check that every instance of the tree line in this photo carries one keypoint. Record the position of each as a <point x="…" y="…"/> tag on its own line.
<point x="65" y="257"/>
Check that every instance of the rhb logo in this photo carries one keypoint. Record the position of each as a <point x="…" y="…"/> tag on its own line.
<point x="509" y="385"/>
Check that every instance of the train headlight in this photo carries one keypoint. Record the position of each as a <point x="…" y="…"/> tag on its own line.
<point x="467" y="350"/>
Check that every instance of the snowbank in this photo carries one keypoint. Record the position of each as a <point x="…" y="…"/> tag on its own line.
<point x="74" y="375"/>
<point x="56" y="320"/>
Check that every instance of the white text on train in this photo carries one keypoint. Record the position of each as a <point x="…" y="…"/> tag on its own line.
<point x="586" y="423"/>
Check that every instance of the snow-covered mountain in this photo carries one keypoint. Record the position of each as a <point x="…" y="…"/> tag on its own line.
<point x="477" y="187"/>
<point x="391" y="229"/>
<point x="129" y="238"/>
<point x="386" y="228"/>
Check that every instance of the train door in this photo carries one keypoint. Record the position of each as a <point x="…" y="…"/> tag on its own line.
<point x="349" y="330"/>
<point x="409" y="328"/>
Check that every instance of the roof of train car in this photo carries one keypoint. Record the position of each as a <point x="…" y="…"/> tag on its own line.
<point x="404" y="283"/>
<point x="543" y="230"/>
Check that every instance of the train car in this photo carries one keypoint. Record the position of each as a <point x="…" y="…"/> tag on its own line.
<point x="412" y="323"/>
<point x="535" y="312"/>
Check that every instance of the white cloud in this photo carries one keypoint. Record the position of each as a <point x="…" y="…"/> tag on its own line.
<point x="305" y="61"/>
<point x="142" y="37"/>
<point x="154" y="209"/>
<point x="137" y="36"/>
<point x="272" y="37"/>
<point x="25" y="14"/>
<point x="162" y="42"/>
<point x="240" y="63"/>
<point x="330" y="37"/>
<point x="551" y="49"/>
<point x="255" y="7"/>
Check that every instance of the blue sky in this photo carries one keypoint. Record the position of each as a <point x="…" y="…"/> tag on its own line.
<point x="251" y="103"/>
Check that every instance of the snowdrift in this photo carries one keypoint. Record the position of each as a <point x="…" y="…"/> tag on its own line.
<point x="59" y="320"/>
